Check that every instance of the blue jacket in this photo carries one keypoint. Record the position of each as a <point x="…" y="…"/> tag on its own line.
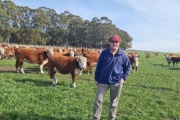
<point x="111" y="69"/>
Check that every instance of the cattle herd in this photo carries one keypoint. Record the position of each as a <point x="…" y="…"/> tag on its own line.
<point x="65" y="60"/>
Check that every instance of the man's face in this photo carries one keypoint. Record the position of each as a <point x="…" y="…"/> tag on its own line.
<point x="114" y="45"/>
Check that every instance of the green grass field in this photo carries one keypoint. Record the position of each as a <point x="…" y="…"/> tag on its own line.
<point x="151" y="94"/>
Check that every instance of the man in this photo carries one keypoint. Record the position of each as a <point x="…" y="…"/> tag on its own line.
<point x="112" y="69"/>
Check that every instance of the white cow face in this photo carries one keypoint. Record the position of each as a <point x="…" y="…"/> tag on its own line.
<point x="168" y="58"/>
<point x="135" y="57"/>
<point x="82" y="62"/>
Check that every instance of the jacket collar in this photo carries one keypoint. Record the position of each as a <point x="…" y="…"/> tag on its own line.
<point x="119" y="52"/>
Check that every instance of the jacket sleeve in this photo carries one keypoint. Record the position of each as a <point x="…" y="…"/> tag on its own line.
<point x="98" y="68"/>
<point x="126" y="67"/>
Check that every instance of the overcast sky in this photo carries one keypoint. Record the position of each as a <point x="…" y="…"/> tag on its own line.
<point x="154" y="25"/>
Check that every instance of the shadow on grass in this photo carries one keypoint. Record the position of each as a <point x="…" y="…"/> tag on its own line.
<point x="15" y="116"/>
<point x="154" y="88"/>
<point x="36" y="82"/>
<point x="174" y="68"/>
<point x="7" y="71"/>
<point x="169" y="67"/>
<point x="41" y="83"/>
<point x="162" y="65"/>
<point x="34" y="70"/>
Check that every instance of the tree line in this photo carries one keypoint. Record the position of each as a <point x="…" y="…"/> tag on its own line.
<point x="43" y="26"/>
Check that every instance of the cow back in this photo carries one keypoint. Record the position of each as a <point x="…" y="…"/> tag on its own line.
<point x="64" y="64"/>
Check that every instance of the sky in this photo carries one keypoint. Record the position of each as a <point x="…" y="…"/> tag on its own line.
<point x="154" y="25"/>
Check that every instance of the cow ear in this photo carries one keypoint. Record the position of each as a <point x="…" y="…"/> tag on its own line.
<point x="138" y="55"/>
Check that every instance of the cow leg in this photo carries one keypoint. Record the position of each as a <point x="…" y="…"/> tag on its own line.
<point x="44" y="67"/>
<point x="74" y="84"/>
<point x="93" y="65"/>
<point x="52" y="75"/>
<point x="91" y="69"/>
<point x="173" y="63"/>
<point x="4" y="56"/>
<point x="54" y="81"/>
<point x="41" y="68"/>
<point x="88" y="71"/>
<point x="21" y="68"/>
<point x="17" y="66"/>
<point x="73" y="80"/>
<point x="17" y="70"/>
<point x="133" y="69"/>
<point x="136" y="70"/>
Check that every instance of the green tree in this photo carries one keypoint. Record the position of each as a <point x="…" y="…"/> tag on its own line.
<point x="43" y="26"/>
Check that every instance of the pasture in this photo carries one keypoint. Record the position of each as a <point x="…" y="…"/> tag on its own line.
<point x="151" y="94"/>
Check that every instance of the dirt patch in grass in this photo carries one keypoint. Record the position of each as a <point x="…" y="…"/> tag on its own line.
<point x="7" y="69"/>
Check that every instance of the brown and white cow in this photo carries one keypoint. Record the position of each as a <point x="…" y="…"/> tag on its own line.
<point x="175" y="59"/>
<point x="147" y="54"/>
<point x="9" y="52"/>
<point x="168" y="58"/>
<point x="92" y="61"/>
<point x="65" y="65"/>
<point x="134" y="61"/>
<point x="39" y="56"/>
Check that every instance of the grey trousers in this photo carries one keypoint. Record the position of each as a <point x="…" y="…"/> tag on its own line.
<point x="115" y="91"/>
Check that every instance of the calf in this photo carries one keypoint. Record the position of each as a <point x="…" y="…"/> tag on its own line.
<point x="39" y="56"/>
<point x="65" y="65"/>
<point x="134" y="61"/>
<point x="92" y="61"/>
